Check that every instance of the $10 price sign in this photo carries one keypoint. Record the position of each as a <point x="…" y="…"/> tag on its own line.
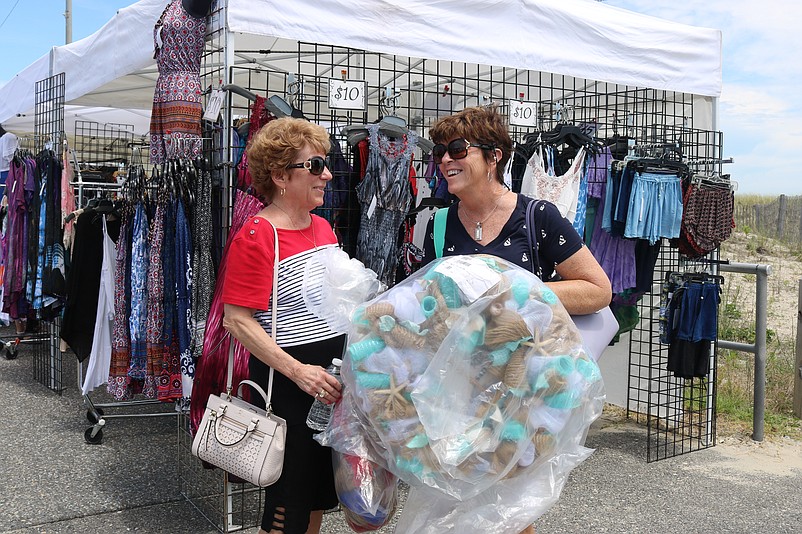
<point x="347" y="94"/>
<point x="523" y="113"/>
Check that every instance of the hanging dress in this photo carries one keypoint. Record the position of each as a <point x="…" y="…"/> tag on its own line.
<point x="175" y="125"/>
<point x="183" y="288"/>
<point x="54" y="281"/>
<point x="385" y="197"/>
<point x="140" y="368"/>
<point x="82" y="293"/>
<point x="20" y="191"/>
<point x="169" y="372"/>
<point x="155" y="298"/>
<point x="97" y="372"/>
<point x="615" y="254"/>
<point x="202" y="273"/>
<point x="67" y="201"/>
<point x="119" y="383"/>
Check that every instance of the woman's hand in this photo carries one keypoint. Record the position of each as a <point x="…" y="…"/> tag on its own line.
<point x="315" y="381"/>
<point x="312" y="379"/>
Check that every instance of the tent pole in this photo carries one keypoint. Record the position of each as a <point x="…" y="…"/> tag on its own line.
<point x="229" y="47"/>
<point x="68" y="21"/>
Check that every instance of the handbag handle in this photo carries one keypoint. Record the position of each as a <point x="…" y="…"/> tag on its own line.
<point x="230" y="370"/>
<point x="255" y="386"/>
<point x="218" y="416"/>
<point x="254" y="422"/>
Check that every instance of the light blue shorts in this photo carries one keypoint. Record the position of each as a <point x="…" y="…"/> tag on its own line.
<point x="655" y="207"/>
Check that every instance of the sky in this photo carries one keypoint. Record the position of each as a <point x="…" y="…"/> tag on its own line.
<point x="760" y="109"/>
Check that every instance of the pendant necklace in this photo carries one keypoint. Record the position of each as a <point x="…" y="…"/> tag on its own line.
<point x="477" y="231"/>
<point x="313" y="241"/>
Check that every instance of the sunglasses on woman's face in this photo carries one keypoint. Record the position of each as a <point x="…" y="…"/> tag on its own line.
<point x="316" y="165"/>
<point x="457" y="149"/>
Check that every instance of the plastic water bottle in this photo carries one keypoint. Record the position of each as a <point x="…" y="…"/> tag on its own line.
<point x="320" y="412"/>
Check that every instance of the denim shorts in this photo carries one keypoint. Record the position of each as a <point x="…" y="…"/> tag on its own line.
<point x="655" y="207"/>
<point x="696" y="317"/>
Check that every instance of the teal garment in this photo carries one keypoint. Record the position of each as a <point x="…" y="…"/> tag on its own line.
<point x="590" y="219"/>
<point x="627" y="317"/>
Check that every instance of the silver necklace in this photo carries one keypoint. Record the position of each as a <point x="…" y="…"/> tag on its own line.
<point x="477" y="231"/>
<point x="313" y="241"/>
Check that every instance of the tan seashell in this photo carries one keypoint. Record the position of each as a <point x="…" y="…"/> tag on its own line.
<point x="504" y="327"/>
<point x="515" y="373"/>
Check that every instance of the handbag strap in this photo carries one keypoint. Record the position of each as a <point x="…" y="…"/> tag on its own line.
<point x="230" y="370"/>
<point x="439" y="229"/>
<point x="531" y="233"/>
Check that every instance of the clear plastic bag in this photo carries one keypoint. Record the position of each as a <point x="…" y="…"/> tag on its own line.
<point x="334" y="285"/>
<point x="367" y="492"/>
<point x="470" y="382"/>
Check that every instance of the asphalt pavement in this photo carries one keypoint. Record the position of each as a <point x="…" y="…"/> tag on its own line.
<point x="53" y="481"/>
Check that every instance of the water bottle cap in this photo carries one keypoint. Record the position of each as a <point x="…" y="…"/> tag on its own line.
<point x="337" y="362"/>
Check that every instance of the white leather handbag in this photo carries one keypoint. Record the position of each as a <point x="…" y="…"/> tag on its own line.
<point x="238" y="437"/>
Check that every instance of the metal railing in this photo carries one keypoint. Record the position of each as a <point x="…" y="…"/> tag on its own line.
<point x="759" y="347"/>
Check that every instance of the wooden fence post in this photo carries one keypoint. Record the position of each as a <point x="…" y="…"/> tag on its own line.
<point x="799" y="237"/>
<point x="798" y="364"/>
<point x="757" y="218"/>
<point x="781" y="216"/>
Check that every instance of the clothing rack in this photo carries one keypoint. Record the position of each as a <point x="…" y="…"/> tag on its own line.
<point x="47" y="359"/>
<point x="97" y="417"/>
<point x="95" y="411"/>
<point x="35" y="142"/>
<point x="704" y="161"/>
<point x="660" y="150"/>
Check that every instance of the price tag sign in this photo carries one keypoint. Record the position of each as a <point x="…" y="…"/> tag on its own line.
<point x="347" y="94"/>
<point x="523" y="113"/>
<point x="214" y="104"/>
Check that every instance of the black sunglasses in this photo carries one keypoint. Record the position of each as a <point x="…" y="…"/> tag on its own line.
<point x="457" y="149"/>
<point x="315" y="165"/>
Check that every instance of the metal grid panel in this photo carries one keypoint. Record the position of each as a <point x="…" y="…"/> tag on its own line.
<point x="48" y="359"/>
<point x="107" y="144"/>
<point x="227" y="505"/>
<point x="49" y="132"/>
<point x="49" y="111"/>
<point x="680" y="414"/>
<point x="422" y="90"/>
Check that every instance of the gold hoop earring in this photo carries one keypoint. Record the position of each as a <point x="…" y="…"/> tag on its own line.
<point x="281" y="192"/>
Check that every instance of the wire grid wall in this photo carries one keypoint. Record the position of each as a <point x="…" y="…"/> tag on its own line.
<point x="48" y="359"/>
<point x="227" y="505"/>
<point x="419" y="91"/>
<point x="49" y="111"/>
<point x="215" y="137"/>
<point x="48" y="132"/>
<point x="679" y="413"/>
<point x="103" y="144"/>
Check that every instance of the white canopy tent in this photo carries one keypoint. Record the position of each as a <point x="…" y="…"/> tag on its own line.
<point x="114" y="67"/>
